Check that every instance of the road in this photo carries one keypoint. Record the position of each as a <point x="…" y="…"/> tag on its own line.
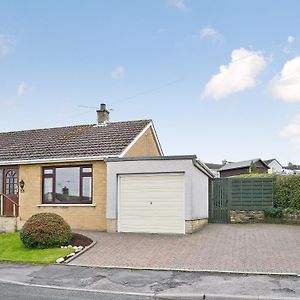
<point x="73" y="282"/>
<point x="17" y="292"/>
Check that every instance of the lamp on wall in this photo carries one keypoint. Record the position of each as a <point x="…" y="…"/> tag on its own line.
<point x="22" y="185"/>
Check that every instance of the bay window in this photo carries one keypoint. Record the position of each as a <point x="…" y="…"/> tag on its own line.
<point x="67" y="185"/>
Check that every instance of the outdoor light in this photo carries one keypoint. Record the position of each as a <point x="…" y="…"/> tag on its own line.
<point x="22" y="184"/>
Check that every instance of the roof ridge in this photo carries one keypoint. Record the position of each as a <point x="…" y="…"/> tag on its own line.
<point x="70" y="126"/>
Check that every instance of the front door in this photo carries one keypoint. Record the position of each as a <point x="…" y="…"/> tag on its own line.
<point x="10" y="189"/>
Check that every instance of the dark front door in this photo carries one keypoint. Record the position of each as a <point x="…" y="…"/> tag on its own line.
<point x="219" y="194"/>
<point x="10" y="189"/>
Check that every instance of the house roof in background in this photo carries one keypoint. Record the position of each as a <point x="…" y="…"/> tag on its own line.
<point x="213" y="166"/>
<point x="241" y="164"/>
<point x="292" y="167"/>
<point x="71" y="141"/>
<point x="268" y="161"/>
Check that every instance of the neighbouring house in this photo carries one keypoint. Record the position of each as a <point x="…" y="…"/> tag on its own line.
<point x="214" y="168"/>
<point x="291" y="169"/>
<point x="274" y="165"/>
<point x="243" y="167"/>
<point x="108" y="176"/>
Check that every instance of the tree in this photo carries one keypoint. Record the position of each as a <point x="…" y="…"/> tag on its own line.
<point x="252" y="168"/>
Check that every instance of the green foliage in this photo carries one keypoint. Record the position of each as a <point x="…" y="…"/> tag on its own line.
<point x="255" y="175"/>
<point x="287" y="191"/>
<point x="13" y="250"/>
<point x="45" y="230"/>
<point x="252" y="168"/>
<point x="273" y="212"/>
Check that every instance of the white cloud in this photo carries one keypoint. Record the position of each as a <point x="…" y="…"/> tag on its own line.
<point x="7" y="44"/>
<point x="286" y="84"/>
<point x="178" y="4"/>
<point x="210" y="32"/>
<point x="240" y="74"/>
<point x="292" y="131"/>
<point x="21" y="89"/>
<point x="291" y="39"/>
<point x="118" y="72"/>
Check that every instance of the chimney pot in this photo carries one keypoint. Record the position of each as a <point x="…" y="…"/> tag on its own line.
<point x="102" y="114"/>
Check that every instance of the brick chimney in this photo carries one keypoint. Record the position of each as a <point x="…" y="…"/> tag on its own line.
<point x="102" y="115"/>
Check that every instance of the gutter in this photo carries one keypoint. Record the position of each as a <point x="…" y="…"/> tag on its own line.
<point x="54" y="160"/>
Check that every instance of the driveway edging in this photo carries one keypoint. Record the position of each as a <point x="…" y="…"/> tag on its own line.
<point x="80" y="252"/>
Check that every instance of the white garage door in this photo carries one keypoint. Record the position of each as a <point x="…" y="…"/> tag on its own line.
<point x="151" y="203"/>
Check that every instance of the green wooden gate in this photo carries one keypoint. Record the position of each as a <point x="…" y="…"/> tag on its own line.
<point x="220" y="190"/>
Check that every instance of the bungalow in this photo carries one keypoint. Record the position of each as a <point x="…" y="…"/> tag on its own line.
<point x="95" y="178"/>
<point x="243" y="167"/>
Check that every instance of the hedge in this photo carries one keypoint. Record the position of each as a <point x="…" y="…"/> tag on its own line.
<point x="287" y="191"/>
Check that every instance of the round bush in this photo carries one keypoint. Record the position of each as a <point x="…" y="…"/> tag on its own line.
<point x="45" y="230"/>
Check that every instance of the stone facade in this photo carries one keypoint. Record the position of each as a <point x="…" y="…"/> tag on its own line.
<point x="293" y="218"/>
<point x="8" y="224"/>
<point x="89" y="217"/>
<point x="246" y="216"/>
<point x="194" y="225"/>
<point x="146" y="145"/>
<point x="111" y="225"/>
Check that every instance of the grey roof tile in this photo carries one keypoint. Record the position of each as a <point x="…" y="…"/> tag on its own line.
<point x="71" y="141"/>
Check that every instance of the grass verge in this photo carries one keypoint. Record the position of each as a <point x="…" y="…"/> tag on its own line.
<point x="13" y="250"/>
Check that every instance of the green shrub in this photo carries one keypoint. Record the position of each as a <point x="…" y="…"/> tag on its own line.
<point x="273" y="212"/>
<point x="287" y="191"/>
<point x="45" y="230"/>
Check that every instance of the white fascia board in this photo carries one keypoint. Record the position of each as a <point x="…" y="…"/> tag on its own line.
<point x="54" y="160"/>
<point x="150" y="125"/>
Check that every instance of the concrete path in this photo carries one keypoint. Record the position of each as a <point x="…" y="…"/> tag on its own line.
<point x="261" y="248"/>
<point x="142" y="284"/>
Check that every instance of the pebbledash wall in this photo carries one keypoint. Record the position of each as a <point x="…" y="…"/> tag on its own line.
<point x="79" y="216"/>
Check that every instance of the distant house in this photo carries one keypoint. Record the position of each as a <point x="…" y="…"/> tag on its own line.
<point x="274" y="165"/>
<point x="214" y="168"/>
<point x="243" y="167"/>
<point x="292" y="169"/>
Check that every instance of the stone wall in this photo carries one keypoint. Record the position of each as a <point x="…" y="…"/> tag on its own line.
<point x="194" y="225"/>
<point x="8" y="224"/>
<point x="246" y="216"/>
<point x="111" y="225"/>
<point x="293" y="218"/>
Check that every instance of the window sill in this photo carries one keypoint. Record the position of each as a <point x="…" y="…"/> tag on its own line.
<point x="66" y="205"/>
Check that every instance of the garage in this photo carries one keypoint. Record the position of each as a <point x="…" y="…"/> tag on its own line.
<point x="152" y="203"/>
<point x="165" y="194"/>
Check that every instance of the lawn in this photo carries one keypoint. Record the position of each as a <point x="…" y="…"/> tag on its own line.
<point x="12" y="249"/>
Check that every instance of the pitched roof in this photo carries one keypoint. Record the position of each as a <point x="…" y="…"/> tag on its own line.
<point x="240" y="164"/>
<point x="213" y="166"/>
<point x="292" y="167"/>
<point x="268" y="161"/>
<point x="69" y="142"/>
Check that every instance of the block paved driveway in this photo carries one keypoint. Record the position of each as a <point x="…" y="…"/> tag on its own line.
<point x="216" y="247"/>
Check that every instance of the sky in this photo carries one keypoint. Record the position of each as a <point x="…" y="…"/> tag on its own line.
<point x="220" y="79"/>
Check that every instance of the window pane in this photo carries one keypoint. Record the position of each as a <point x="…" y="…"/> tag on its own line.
<point x="48" y="184"/>
<point x="67" y="185"/>
<point x="48" y="171"/>
<point x="86" y="188"/>
<point x="86" y="169"/>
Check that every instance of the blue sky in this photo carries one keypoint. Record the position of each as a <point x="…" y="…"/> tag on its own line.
<point x="161" y="60"/>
